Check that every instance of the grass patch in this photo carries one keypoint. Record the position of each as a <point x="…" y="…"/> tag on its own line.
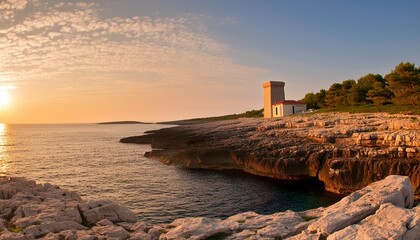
<point x="16" y="230"/>
<point x="370" y="108"/>
<point x="218" y="236"/>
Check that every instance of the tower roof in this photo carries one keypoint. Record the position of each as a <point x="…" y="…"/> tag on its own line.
<point x="273" y="84"/>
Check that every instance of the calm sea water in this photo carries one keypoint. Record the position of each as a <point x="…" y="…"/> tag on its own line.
<point x="89" y="159"/>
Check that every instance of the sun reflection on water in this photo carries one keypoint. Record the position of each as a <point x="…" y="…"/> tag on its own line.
<point x="4" y="164"/>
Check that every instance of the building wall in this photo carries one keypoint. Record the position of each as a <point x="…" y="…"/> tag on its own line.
<point x="277" y="110"/>
<point x="287" y="109"/>
<point x="273" y="92"/>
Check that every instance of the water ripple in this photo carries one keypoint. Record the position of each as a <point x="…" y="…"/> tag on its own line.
<point x="89" y="159"/>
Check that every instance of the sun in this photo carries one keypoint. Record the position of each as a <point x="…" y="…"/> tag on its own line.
<point x="4" y="98"/>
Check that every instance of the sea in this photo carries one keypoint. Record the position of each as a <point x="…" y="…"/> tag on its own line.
<point x="89" y="159"/>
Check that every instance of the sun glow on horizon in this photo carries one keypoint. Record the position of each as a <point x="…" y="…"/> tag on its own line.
<point x="4" y="97"/>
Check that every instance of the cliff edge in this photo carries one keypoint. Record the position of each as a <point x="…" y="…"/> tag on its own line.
<point x="345" y="151"/>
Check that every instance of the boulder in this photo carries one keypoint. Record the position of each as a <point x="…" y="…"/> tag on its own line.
<point x="140" y="236"/>
<point x="104" y="222"/>
<point x="382" y="225"/>
<point x="413" y="231"/>
<point x="54" y="227"/>
<point x="360" y="204"/>
<point x="194" y="228"/>
<point x="98" y="210"/>
<point x="16" y="236"/>
<point x="115" y="232"/>
<point x="278" y="225"/>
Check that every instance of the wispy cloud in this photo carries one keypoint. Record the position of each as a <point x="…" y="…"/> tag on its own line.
<point x="73" y="36"/>
<point x="9" y="7"/>
<point x="72" y="45"/>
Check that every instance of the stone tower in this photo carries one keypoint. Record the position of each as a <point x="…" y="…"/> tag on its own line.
<point x="273" y="93"/>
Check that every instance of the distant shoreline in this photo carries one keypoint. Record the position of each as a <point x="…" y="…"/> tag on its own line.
<point x="124" y="122"/>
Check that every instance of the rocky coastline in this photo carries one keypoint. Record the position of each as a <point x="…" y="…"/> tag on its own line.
<point x="344" y="151"/>
<point x="382" y="210"/>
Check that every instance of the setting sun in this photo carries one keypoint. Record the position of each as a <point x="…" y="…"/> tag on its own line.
<point x="4" y="98"/>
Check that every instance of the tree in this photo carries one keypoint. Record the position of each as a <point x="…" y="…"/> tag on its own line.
<point x="364" y="85"/>
<point x="339" y="94"/>
<point x="346" y="89"/>
<point x="380" y="94"/>
<point x="311" y="101"/>
<point x="334" y="96"/>
<point x="316" y="100"/>
<point x="321" y="97"/>
<point x="404" y="82"/>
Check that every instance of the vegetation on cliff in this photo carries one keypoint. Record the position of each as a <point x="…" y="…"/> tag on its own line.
<point x="398" y="91"/>
<point x="247" y="114"/>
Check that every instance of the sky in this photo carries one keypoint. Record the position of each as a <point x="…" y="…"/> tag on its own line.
<point x="107" y="60"/>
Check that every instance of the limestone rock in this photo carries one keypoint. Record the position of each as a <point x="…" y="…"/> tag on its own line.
<point x="138" y="226"/>
<point x="98" y="210"/>
<point x="55" y="227"/>
<point x="194" y="228"/>
<point x="243" y="234"/>
<point x="413" y="231"/>
<point x="354" y="208"/>
<point x="13" y="236"/>
<point x="157" y="230"/>
<point x="104" y="222"/>
<point x="140" y="236"/>
<point x="277" y="225"/>
<point x="307" y="236"/>
<point x="116" y="232"/>
<point x="382" y="225"/>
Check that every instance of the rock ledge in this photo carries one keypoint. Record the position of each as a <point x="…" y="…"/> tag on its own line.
<point x="344" y="151"/>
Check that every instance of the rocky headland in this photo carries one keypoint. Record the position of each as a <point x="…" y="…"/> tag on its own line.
<point x="344" y="151"/>
<point x="382" y="210"/>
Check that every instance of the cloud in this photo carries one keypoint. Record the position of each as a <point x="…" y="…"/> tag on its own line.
<point x="58" y="42"/>
<point x="9" y="7"/>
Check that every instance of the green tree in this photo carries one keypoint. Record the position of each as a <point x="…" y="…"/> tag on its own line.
<point x="311" y="101"/>
<point x="334" y="96"/>
<point x="316" y="100"/>
<point x="339" y="94"/>
<point x="347" y="87"/>
<point x="404" y="82"/>
<point x="321" y="98"/>
<point x="380" y="94"/>
<point x="363" y="86"/>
